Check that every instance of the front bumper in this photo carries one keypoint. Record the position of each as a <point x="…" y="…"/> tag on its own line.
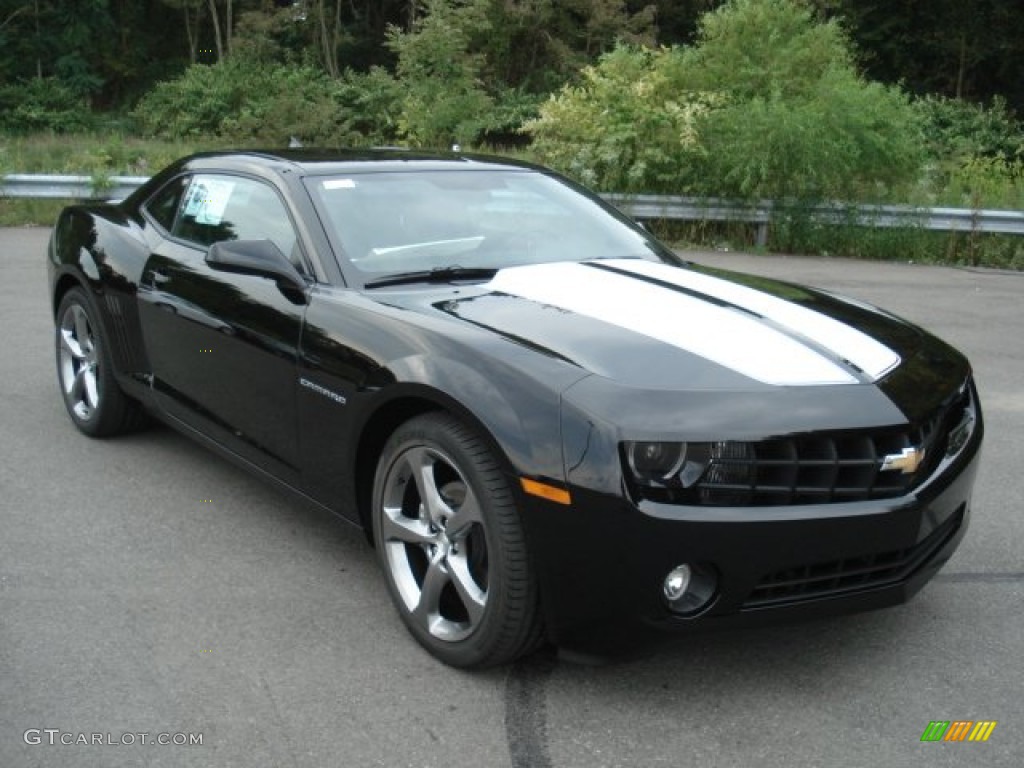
<point x="603" y="559"/>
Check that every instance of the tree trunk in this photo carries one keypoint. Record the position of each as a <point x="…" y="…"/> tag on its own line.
<point x="191" y="33"/>
<point x="337" y="37"/>
<point x="217" y="38"/>
<point x="962" y="66"/>
<point x="39" y="56"/>
<point x="329" y="35"/>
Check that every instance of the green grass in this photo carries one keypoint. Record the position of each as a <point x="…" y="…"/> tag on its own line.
<point x="29" y="213"/>
<point x="110" y="154"/>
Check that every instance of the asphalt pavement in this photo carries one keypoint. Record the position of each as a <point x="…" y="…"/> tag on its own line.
<point x="149" y="587"/>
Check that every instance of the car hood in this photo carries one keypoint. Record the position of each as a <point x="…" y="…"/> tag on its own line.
<point x="652" y="325"/>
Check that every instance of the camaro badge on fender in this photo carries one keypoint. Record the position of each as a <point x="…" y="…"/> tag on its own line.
<point x="339" y="399"/>
<point x="907" y="461"/>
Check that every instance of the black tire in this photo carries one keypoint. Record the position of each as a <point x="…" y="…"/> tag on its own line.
<point x="457" y="566"/>
<point x="85" y="374"/>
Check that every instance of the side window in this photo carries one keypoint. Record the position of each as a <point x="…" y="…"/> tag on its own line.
<point x="163" y="206"/>
<point x="220" y="208"/>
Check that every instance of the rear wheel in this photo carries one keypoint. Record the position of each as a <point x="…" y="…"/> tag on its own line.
<point x="92" y="396"/>
<point x="451" y="544"/>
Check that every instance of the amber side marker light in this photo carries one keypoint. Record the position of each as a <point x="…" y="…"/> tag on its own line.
<point x="545" y="491"/>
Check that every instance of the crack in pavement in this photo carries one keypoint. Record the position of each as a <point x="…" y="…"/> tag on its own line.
<point x="526" y="729"/>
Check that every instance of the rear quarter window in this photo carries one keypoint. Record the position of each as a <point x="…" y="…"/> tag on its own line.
<point x="164" y="205"/>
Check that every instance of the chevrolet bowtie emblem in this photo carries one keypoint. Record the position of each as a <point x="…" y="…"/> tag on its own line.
<point x="906" y="461"/>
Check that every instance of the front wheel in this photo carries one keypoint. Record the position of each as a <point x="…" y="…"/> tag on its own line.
<point x="451" y="545"/>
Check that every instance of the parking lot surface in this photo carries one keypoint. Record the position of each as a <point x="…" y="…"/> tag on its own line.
<point x="149" y="587"/>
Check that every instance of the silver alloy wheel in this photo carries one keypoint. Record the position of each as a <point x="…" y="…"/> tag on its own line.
<point x="434" y="543"/>
<point x="79" y="362"/>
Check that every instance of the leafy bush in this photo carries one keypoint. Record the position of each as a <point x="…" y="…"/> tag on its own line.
<point x="244" y="101"/>
<point x="767" y="104"/>
<point x="42" y="104"/>
<point x="846" y="139"/>
<point x="976" y="154"/>
<point x="194" y="104"/>
<point x="955" y="128"/>
<point x="628" y="127"/>
<point x="513" y="107"/>
<point x="985" y="182"/>
<point x="369" y="108"/>
<point x="229" y="99"/>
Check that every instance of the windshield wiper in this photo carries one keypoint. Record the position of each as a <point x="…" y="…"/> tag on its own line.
<point x="438" y="275"/>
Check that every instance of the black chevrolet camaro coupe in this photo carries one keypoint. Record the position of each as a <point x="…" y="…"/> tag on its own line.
<point x="549" y="425"/>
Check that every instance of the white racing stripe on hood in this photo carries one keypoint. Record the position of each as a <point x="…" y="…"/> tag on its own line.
<point x="724" y="336"/>
<point x="847" y="343"/>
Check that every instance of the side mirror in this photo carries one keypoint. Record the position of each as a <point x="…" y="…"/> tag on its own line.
<point x="255" y="257"/>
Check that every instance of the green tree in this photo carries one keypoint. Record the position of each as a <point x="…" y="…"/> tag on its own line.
<point x="444" y="99"/>
<point x="469" y="67"/>
<point x="767" y="103"/>
<point x="799" y="120"/>
<point x="628" y="126"/>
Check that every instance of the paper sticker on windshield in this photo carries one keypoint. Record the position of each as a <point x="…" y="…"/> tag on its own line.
<point x="339" y="184"/>
<point x="207" y="200"/>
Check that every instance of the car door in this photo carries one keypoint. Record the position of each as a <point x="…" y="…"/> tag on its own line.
<point x="223" y="346"/>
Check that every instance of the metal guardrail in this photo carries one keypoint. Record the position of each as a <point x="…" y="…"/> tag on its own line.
<point x="762" y="212"/>
<point x="69" y="187"/>
<point x="637" y="206"/>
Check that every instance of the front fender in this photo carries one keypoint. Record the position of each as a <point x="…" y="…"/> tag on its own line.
<point x="380" y="369"/>
<point x="521" y="418"/>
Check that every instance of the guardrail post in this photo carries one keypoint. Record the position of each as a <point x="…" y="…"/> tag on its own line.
<point x="762" y="234"/>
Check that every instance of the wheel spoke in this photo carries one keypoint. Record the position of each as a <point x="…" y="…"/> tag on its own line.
<point x="434" y="580"/>
<point x="82" y="330"/>
<point x="69" y="343"/>
<point x="396" y="527"/>
<point x="76" y="389"/>
<point x="473" y="598"/>
<point x="467" y="514"/>
<point x="422" y="463"/>
<point x="92" y="394"/>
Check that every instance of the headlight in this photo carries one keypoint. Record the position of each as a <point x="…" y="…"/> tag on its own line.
<point x="655" y="462"/>
<point x="723" y="472"/>
<point x="667" y="465"/>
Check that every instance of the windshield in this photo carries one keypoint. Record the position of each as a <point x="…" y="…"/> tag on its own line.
<point x="397" y="222"/>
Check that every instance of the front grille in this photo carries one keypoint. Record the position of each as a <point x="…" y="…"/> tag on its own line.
<point x="825" y="467"/>
<point x="834" y="578"/>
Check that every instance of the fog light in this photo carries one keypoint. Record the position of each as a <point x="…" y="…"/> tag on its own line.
<point x="688" y="588"/>
<point x="676" y="582"/>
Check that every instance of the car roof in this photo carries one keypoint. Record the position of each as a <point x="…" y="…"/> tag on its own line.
<point x="325" y="162"/>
